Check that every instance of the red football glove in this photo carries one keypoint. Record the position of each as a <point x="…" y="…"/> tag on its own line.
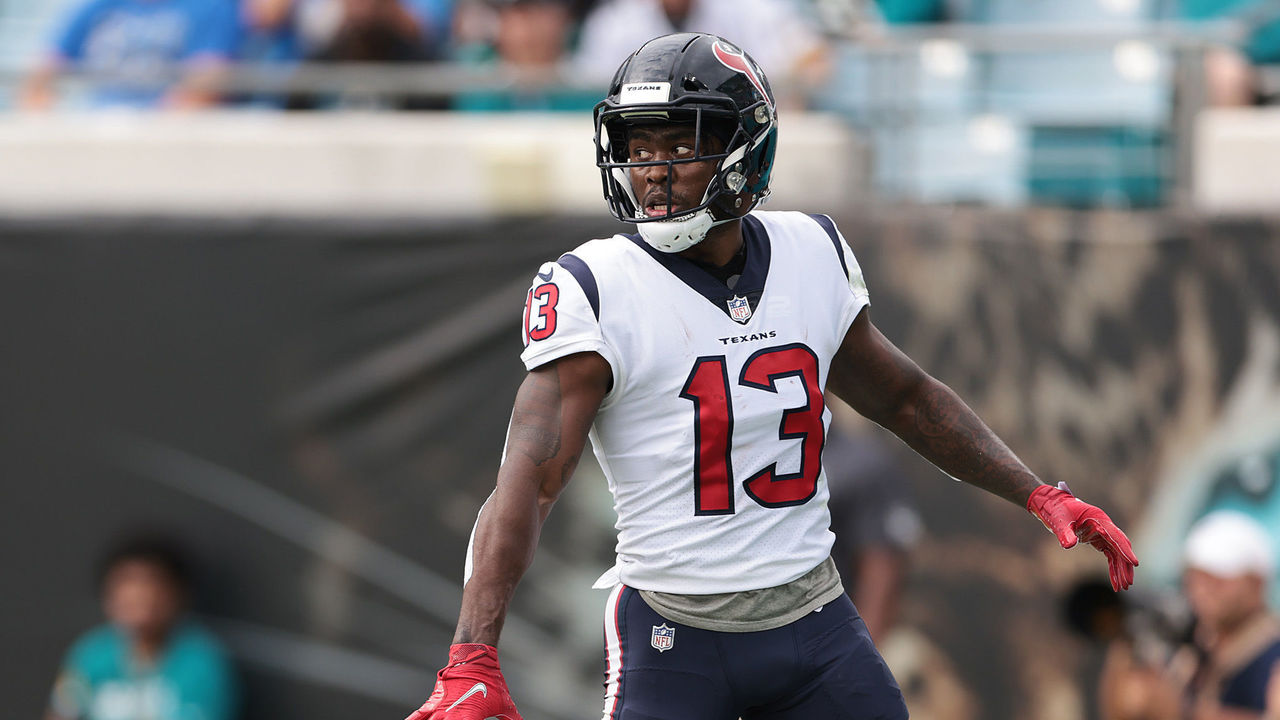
<point x="470" y="687"/>
<point x="1072" y="520"/>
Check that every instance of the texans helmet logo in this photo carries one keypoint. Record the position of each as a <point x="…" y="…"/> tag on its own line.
<point x="734" y="59"/>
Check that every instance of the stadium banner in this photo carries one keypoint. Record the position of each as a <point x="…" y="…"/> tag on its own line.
<point x="316" y="409"/>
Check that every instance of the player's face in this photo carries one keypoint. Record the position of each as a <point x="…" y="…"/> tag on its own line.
<point x="688" y="180"/>
<point x="141" y="599"/>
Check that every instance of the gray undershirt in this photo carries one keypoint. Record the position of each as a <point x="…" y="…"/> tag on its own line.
<point x="752" y="610"/>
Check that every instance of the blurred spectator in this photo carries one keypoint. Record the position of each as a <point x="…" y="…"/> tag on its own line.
<point x="269" y="35"/>
<point x="1228" y="566"/>
<point x="875" y="524"/>
<point x="148" y="661"/>
<point x="435" y="18"/>
<point x="1230" y="73"/>
<point x="1132" y="638"/>
<point x="1099" y="614"/>
<point x="378" y="31"/>
<point x="1229" y="666"/>
<point x="1273" y="698"/>
<point x="369" y="31"/>
<point x="780" y="39"/>
<point x="270" y="31"/>
<point x="141" y="53"/>
<point x="533" y="37"/>
<point x="421" y="25"/>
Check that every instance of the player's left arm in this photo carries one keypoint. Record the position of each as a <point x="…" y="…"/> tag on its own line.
<point x="883" y="384"/>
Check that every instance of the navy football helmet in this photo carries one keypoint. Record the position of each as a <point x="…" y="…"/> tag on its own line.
<point x="707" y="82"/>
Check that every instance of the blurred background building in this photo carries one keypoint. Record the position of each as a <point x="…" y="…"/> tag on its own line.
<point x="262" y="264"/>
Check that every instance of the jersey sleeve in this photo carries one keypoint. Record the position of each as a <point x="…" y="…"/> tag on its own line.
<point x="561" y="315"/>
<point x="857" y="296"/>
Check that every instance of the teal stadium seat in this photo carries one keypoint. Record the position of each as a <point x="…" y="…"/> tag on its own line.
<point x="1097" y="119"/>
<point x="1078" y="128"/>
<point x="929" y="137"/>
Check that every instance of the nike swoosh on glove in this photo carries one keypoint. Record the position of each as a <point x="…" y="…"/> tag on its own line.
<point x="1072" y="520"/>
<point x="470" y="687"/>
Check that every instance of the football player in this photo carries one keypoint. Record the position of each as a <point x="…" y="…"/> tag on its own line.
<point x="694" y="355"/>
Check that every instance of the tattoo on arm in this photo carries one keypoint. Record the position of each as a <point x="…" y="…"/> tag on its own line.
<point x="570" y="464"/>
<point x="535" y="422"/>
<point x="553" y="413"/>
<point x="949" y="434"/>
<point x="885" y="385"/>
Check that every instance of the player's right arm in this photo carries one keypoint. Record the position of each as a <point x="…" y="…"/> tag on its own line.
<point x="553" y="412"/>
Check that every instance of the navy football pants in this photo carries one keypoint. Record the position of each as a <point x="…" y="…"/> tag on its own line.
<point x="820" y="667"/>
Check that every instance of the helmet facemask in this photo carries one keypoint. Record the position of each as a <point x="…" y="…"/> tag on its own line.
<point x="705" y="82"/>
<point x="722" y="201"/>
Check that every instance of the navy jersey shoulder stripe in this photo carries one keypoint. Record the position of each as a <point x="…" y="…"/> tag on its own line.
<point x="586" y="280"/>
<point x="830" y="227"/>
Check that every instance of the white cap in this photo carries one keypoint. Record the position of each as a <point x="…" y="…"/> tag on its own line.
<point x="1229" y="544"/>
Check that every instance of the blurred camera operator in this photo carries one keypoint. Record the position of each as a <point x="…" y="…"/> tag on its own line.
<point x="1229" y="564"/>
<point x="1228" y="666"/>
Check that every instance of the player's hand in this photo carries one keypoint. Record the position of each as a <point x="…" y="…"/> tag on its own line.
<point x="470" y="687"/>
<point x="1073" y="520"/>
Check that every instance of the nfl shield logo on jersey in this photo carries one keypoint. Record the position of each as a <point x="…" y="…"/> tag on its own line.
<point x="663" y="638"/>
<point x="739" y="309"/>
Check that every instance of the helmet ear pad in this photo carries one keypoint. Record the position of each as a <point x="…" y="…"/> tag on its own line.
<point x="743" y="179"/>
<point x="730" y="206"/>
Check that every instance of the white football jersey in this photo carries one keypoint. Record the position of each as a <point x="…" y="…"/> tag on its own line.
<point x="711" y="436"/>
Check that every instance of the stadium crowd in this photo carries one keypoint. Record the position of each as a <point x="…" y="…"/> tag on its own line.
<point x="125" y="44"/>
<point x="128" y="43"/>
<point x="977" y="113"/>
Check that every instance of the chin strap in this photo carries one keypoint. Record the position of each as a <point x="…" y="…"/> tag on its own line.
<point x="673" y="236"/>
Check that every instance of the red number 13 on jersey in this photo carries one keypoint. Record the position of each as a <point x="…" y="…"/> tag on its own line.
<point x="540" y="312"/>
<point x="708" y="388"/>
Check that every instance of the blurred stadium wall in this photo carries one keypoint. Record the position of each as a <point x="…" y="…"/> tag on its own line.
<point x="315" y="397"/>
